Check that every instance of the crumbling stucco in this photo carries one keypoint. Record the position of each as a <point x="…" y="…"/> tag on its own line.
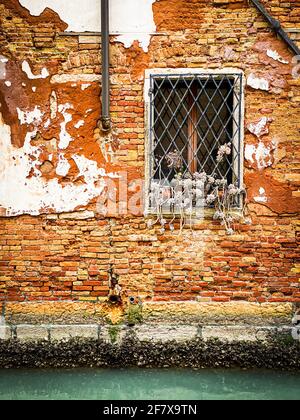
<point x="274" y="54"/>
<point x="35" y="135"/>
<point x="21" y="193"/>
<point x="258" y="83"/>
<point x="260" y="155"/>
<point x="130" y="19"/>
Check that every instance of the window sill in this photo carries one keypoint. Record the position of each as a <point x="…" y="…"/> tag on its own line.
<point x="206" y="213"/>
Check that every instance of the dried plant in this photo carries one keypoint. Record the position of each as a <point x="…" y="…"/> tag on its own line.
<point x="174" y="160"/>
<point x="224" y="150"/>
<point x="184" y="196"/>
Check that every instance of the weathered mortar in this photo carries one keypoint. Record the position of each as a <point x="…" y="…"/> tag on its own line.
<point x="66" y="257"/>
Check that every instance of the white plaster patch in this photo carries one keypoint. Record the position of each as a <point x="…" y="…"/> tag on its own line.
<point x="8" y="83"/>
<point x="130" y="20"/>
<point x="134" y="20"/>
<point x="47" y="123"/>
<point x="64" y="137"/>
<point x="63" y="165"/>
<point x="260" y="128"/>
<point x="21" y="194"/>
<point x="262" y="196"/>
<point x="274" y="54"/>
<point x="53" y="105"/>
<point x="84" y="86"/>
<point x="33" y="88"/>
<point x="261" y="154"/>
<point x="3" y="61"/>
<point x="258" y="83"/>
<point x="128" y="39"/>
<point x="250" y="150"/>
<point x="26" y="69"/>
<point x="30" y="117"/>
<point x="79" y="124"/>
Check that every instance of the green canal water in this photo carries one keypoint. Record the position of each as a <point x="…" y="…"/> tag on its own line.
<point x="134" y="384"/>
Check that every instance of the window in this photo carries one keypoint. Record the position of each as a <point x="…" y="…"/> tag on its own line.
<point x="190" y="117"/>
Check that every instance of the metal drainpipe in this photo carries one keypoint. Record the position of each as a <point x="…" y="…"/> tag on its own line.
<point x="276" y="26"/>
<point x="105" y="117"/>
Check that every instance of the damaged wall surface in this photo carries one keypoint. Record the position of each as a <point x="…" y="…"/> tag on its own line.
<point x="130" y="19"/>
<point x="56" y="161"/>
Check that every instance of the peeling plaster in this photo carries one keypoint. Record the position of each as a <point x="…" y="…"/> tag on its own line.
<point x="26" y="69"/>
<point x="79" y="124"/>
<point x="47" y="123"/>
<point x="63" y="165"/>
<point x="85" y="86"/>
<point x="30" y="117"/>
<point x="130" y="20"/>
<point x="3" y="61"/>
<point x="262" y="196"/>
<point x="260" y="128"/>
<point x="258" y="83"/>
<point x="260" y="155"/>
<point x="89" y="169"/>
<point x="24" y="191"/>
<point x="8" y="83"/>
<point x="274" y="54"/>
<point x="64" y="137"/>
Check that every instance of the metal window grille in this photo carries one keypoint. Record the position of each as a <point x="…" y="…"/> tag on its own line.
<point x="192" y="116"/>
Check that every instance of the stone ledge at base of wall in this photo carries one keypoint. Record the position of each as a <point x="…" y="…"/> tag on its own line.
<point x="143" y="333"/>
<point x="149" y="346"/>
<point x="168" y="313"/>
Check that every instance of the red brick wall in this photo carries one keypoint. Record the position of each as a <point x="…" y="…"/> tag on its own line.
<point x="60" y="257"/>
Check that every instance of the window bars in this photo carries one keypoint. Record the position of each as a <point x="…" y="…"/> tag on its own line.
<point x="192" y="117"/>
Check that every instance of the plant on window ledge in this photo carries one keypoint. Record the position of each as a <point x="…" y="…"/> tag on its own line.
<point x="185" y="197"/>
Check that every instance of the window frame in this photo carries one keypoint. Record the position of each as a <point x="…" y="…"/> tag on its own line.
<point x="235" y="73"/>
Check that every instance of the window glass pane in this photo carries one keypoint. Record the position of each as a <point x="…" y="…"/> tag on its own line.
<point x="194" y="117"/>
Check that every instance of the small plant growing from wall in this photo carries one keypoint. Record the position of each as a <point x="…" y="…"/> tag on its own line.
<point x="134" y="312"/>
<point x="113" y="332"/>
<point x="185" y="197"/>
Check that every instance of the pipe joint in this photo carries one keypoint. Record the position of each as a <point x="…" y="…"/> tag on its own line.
<point x="276" y="25"/>
<point x="106" y="123"/>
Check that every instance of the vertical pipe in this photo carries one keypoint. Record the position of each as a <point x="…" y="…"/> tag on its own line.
<point x="105" y="118"/>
